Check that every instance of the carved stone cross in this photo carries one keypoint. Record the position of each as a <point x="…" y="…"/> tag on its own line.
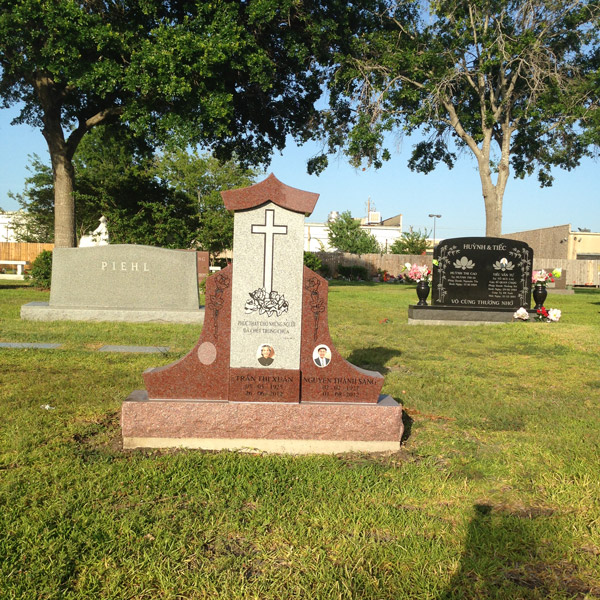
<point x="269" y="230"/>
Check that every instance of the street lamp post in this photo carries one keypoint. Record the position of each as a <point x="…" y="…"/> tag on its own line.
<point x="434" y="218"/>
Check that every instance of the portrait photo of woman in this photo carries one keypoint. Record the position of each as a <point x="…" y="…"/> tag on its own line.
<point x="266" y="355"/>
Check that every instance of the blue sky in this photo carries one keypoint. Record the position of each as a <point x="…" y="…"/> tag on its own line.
<point x="455" y="194"/>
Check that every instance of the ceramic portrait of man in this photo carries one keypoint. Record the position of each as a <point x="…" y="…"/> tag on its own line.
<point x="322" y="356"/>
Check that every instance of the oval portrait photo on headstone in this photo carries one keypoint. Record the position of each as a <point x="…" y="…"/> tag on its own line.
<point x="265" y="355"/>
<point x="322" y="355"/>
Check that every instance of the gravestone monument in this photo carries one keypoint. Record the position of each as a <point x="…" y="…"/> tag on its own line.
<point x="120" y="282"/>
<point x="477" y="280"/>
<point x="265" y="373"/>
<point x="98" y="237"/>
<point x="203" y="265"/>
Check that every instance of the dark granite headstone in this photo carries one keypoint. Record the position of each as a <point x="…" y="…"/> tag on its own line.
<point x="482" y="272"/>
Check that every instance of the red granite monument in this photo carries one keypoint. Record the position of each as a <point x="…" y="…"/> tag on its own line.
<point x="265" y="373"/>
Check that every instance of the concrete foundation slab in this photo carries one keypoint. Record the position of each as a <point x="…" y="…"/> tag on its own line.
<point x="135" y="349"/>
<point x="445" y="315"/>
<point x="300" y="428"/>
<point x="34" y="345"/>
<point x="42" y="311"/>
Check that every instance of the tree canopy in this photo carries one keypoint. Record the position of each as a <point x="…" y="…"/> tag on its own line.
<point x="346" y="235"/>
<point x="169" y="199"/>
<point x="512" y="82"/>
<point x="200" y="180"/>
<point x="230" y="76"/>
<point x="411" y="242"/>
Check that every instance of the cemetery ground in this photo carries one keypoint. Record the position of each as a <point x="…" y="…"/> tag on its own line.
<point x="494" y="494"/>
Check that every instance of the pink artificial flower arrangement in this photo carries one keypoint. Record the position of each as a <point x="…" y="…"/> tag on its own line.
<point x="545" y="276"/>
<point x="417" y="272"/>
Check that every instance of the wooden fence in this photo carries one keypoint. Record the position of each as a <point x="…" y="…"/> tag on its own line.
<point x="392" y="263"/>
<point x="576" y="272"/>
<point x="22" y="250"/>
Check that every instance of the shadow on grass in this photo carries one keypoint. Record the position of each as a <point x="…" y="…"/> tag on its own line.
<point x="24" y="286"/>
<point x="407" y="421"/>
<point x="504" y="558"/>
<point x="373" y="359"/>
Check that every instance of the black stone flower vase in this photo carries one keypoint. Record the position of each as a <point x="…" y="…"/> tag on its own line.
<point x="539" y="295"/>
<point x="422" y="292"/>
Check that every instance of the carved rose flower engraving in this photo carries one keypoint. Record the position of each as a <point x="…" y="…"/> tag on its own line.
<point x="317" y="304"/>
<point x="215" y="301"/>
<point x="269" y="304"/>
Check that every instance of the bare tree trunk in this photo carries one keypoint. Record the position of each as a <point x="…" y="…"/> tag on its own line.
<point x="492" y="194"/>
<point x="64" y="204"/>
<point x="493" y="212"/>
<point x="492" y="198"/>
<point x="61" y="156"/>
<point x="61" y="150"/>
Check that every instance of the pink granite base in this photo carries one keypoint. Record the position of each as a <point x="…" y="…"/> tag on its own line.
<point x="278" y="427"/>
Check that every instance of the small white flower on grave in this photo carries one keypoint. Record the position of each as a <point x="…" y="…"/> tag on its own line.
<point x="47" y="407"/>
<point x="521" y="314"/>
<point x="554" y="315"/>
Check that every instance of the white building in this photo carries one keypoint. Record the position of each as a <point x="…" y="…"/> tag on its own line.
<point x="7" y="232"/>
<point x="386" y="232"/>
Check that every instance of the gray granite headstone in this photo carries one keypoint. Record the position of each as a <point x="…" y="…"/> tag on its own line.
<point x="121" y="282"/>
<point x="266" y="307"/>
<point x="124" y="276"/>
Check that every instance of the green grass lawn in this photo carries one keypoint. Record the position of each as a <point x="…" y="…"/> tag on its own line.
<point x="494" y="494"/>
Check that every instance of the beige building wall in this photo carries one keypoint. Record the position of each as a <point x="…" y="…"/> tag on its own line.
<point x="584" y="244"/>
<point x="7" y="233"/>
<point x="316" y="236"/>
<point x="560" y="242"/>
<point x="549" y="242"/>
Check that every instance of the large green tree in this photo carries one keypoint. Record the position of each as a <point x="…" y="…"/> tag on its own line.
<point x="169" y="199"/>
<point x="200" y="180"/>
<point x="233" y="75"/>
<point x="346" y="235"/>
<point x="117" y="178"/>
<point x="411" y="242"/>
<point x="34" y="222"/>
<point x="512" y="82"/>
